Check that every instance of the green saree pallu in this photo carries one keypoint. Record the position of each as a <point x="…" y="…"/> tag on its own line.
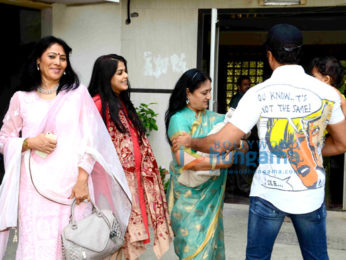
<point x="196" y="213"/>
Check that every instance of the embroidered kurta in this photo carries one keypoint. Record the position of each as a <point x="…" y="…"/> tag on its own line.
<point x="149" y="205"/>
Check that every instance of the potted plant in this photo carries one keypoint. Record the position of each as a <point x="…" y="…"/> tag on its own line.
<point x="148" y="118"/>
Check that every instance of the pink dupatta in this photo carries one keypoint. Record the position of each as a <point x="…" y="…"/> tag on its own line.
<point x="81" y="135"/>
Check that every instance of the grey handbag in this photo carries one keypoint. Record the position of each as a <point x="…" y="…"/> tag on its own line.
<point x="94" y="237"/>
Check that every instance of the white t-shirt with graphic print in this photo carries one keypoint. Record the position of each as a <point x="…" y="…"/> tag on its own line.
<point x="292" y="110"/>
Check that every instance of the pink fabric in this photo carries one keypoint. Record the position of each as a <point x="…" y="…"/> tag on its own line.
<point x="82" y="140"/>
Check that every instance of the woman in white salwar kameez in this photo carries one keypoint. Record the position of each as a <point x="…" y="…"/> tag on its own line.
<point x="45" y="172"/>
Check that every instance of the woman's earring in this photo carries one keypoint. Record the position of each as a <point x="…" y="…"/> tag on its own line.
<point x="187" y="101"/>
<point x="64" y="73"/>
<point x="38" y="67"/>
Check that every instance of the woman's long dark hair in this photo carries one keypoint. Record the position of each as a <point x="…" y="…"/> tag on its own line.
<point x="100" y="83"/>
<point x="192" y="80"/>
<point x="329" y="66"/>
<point x="30" y="78"/>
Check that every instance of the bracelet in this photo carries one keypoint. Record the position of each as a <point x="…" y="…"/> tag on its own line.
<point x="25" y="144"/>
<point x="241" y="144"/>
<point x="213" y="164"/>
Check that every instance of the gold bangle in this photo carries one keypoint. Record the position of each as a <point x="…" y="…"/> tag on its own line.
<point x="25" y="144"/>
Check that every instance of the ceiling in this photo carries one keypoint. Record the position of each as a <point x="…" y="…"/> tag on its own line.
<point x="75" y="1"/>
<point x="41" y="4"/>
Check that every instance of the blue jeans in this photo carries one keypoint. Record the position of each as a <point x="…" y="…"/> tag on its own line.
<point x="264" y="224"/>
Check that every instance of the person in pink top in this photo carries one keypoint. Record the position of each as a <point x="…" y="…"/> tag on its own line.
<point x="109" y="87"/>
<point x="56" y="149"/>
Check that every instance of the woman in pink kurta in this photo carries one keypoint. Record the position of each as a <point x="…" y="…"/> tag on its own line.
<point x="109" y="86"/>
<point x="43" y="173"/>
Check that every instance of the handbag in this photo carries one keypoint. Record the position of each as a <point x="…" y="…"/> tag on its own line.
<point x="94" y="237"/>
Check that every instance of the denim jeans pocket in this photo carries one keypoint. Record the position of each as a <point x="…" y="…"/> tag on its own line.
<point x="317" y="215"/>
<point x="264" y="208"/>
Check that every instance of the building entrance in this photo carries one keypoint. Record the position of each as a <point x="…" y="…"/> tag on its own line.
<point x="240" y="38"/>
<point x="20" y="28"/>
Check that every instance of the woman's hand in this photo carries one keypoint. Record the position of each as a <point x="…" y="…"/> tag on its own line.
<point x="182" y="140"/>
<point x="80" y="190"/>
<point x="42" y="143"/>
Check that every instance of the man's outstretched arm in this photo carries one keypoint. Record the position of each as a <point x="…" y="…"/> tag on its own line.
<point x="228" y="138"/>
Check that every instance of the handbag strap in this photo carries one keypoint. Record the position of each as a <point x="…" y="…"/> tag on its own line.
<point x="72" y="218"/>
<point x="33" y="183"/>
<point x="73" y="202"/>
<point x="53" y="110"/>
<point x="94" y="209"/>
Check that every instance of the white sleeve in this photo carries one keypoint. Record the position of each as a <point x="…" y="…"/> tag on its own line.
<point x="337" y="114"/>
<point x="247" y="113"/>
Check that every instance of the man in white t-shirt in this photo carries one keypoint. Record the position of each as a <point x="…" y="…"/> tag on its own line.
<point x="292" y="111"/>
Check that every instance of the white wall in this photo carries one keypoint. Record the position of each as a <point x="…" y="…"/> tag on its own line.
<point x="159" y="46"/>
<point x="90" y="30"/>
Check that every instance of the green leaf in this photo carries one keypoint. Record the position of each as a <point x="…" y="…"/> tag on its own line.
<point x="147" y="116"/>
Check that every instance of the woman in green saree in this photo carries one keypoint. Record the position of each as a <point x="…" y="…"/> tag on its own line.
<point x="196" y="212"/>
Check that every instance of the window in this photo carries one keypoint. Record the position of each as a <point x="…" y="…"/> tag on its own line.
<point x="251" y="68"/>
